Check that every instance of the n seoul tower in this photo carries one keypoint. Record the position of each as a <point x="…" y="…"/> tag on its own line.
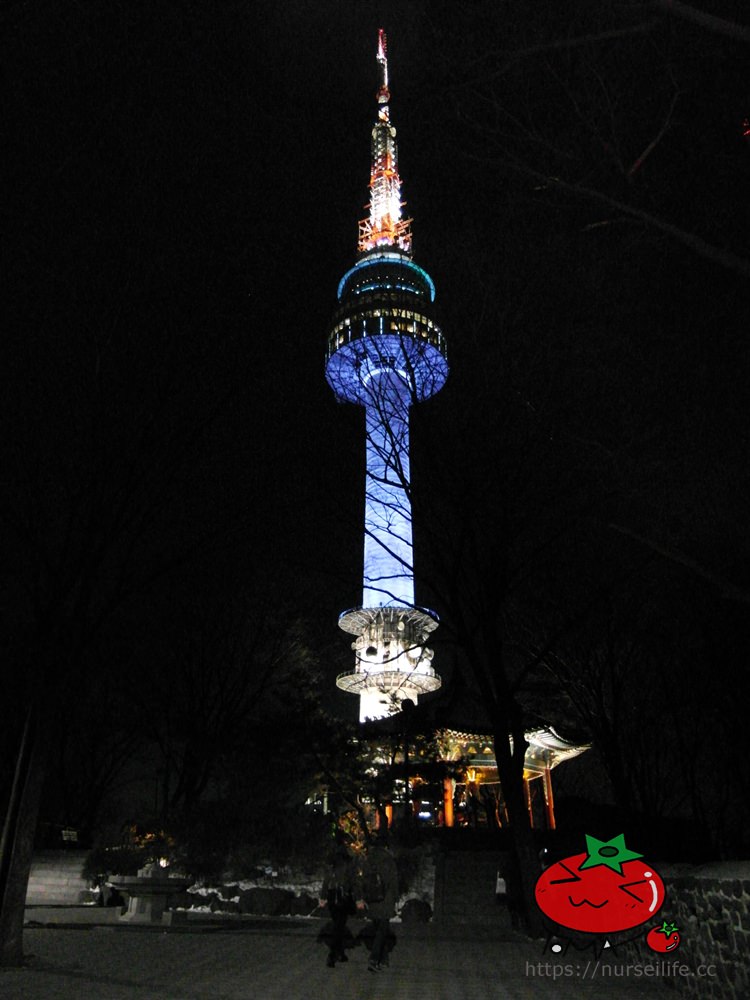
<point x="386" y="352"/>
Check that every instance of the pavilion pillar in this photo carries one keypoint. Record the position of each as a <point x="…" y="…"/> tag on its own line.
<point x="447" y="802"/>
<point x="549" y="800"/>
<point x="527" y="792"/>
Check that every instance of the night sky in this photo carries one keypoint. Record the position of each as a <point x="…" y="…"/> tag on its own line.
<point x="184" y="185"/>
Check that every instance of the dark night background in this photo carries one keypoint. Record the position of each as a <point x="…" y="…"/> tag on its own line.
<point x="184" y="185"/>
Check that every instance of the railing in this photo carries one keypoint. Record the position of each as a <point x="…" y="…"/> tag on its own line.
<point x="384" y="314"/>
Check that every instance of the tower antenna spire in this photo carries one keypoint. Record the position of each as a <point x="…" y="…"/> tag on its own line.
<point x="385" y="226"/>
<point x="384" y="95"/>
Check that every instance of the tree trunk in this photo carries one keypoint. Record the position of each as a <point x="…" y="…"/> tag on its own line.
<point x="17" y="845"/>
<point x="525" y="860"/>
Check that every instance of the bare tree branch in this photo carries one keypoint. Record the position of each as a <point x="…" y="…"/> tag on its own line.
<point x="640" y="160"/>
<point x="719" y="25"/>
<point x="728" y="589"/>
<point x="556" y="45"/>
<point x="724" y="258"/>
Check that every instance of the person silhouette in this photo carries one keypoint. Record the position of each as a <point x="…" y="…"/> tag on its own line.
<point x="379" y="895"/>
<point x="337" y="894"/>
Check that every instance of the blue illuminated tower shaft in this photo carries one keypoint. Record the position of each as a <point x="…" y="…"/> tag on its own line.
<point x="388" y="565"/>
<point x="387" y="352"/>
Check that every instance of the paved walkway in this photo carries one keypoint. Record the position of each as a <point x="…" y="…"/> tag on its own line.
<point x="281" y="960"/>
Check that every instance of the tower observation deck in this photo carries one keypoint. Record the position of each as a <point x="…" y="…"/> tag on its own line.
<point x="386" y="352"/>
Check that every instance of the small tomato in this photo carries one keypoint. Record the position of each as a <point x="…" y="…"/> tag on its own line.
<point x="663" y="939"/>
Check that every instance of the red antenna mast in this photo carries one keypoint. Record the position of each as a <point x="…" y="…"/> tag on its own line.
<point x="385" y="227"/>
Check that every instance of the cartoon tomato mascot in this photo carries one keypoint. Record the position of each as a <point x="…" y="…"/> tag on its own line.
<point x="606" y="890"/>
<point x="664" y="939"/>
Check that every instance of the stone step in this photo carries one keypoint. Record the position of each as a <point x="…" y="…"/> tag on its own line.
<point x="465" y="893"/>
<point x="60" y="859"/>
<point x="463" y="873"/>
<point x="485" y="898"/>
<point x="57" y="877"/>
<point x="452" y="907"/>
<point x="467" y="903"/>
<point x="467" y="920"/>
<point x="479" y="879"/>
<point x="71" y="915"/>
<point x="56" y="888"/>
<point x="42" y="889"/>
<point x="484" y="902"/>
<point x="50" y="875"/>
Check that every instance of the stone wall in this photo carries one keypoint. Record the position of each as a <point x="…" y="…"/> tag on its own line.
<point x="711" y="907"/>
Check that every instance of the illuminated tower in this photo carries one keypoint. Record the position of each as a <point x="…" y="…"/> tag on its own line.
<point x="386" y="352"/>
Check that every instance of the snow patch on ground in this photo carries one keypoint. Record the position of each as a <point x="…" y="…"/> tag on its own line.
<point x="309" y="884"/>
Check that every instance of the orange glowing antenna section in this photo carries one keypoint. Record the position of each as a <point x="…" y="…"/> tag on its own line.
<point x="384" y="227"/>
